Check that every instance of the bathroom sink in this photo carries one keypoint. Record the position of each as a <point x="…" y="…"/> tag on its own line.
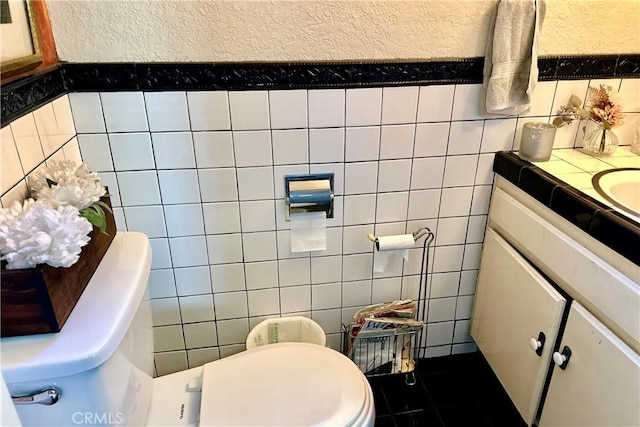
<point x="621" y="187"/>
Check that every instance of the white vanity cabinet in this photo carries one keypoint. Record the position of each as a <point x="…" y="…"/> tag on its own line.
<point x="540" y="290"/>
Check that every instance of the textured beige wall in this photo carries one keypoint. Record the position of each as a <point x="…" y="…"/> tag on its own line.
<point x="234" y="30"/>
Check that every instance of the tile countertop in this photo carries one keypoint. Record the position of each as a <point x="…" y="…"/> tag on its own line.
<point x="563" y="184"/>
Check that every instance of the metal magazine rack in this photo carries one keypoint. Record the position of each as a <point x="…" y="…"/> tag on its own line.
<point x="387" y="339"/>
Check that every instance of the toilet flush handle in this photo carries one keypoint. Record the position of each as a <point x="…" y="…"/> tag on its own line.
<point x="49" y="396"/>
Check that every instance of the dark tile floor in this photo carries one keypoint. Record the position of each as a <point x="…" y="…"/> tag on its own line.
<point x="459" y="390"/>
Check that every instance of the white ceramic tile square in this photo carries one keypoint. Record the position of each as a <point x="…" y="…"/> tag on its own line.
<point x="396" y="142"/>
<point x="261" y="274"/>
<point x="264" y="302"/>
<point x="197" y="308"/>
<point x="138" y="188"/>
<point x="334" y="243"/>
<point x="465" y="137"/>
<point x="338" y="175"/>
<point x="218" y="185"/>
<point x="564" y="90"/>
<point x="355" y="239"/>
<point x="169" y="362"/>
<point x="131" y="151"/>
<point x="124" y="111"/>
<point x="213" y="149"/>
<point x="258" y="215"/>
<point x="279" y="172"/>
<point x="224" y="248"/>
<point x="477" y="225"/>
<point x="427" y="173"/>
<point x="184" y="220"/>
<point x="296" y="271"/>
<point x="161" y="254"/>
<point x="448" y="258"/>
<point x="455" y="201"/>
<point x="461" y="332"/>
<point x="444" y="284"/>
<point x="231" y="305"/>
<point x="440" y="334"/>
<point x="424" y="204"/>
<point x="87" y="112"/>
<point x="188" y="251"/>
<point x="329" y="320"/>
<point x="484" y="174"/>
<point x="392" y="207"/>
<point x="165" y="311"/>
<point x="232" y="331"/>
<point x="498" y="135"/>
<point x="364" y="106"/>
<point x="221" y="218"/>
<point x="460" y="170"/>
<point x="118" y="217"/>
<point x="167" y="338"/>
<point x="295" y="299"/>
<point x="466" y="102"/>
<point x="431" y="139"/>
<point x="362" y="143"/>
<point x="252" y="148"/>
<point x="464" y="307"/>
<point x="451" y="231"/>
<point x="27" y="142"/>
<point x="167" y="111"/>
<point x="356" y="293"/>
<point x="326" y="145"/>
<point x="192" y="280"/>
<point x="394" y="175"/>
<point x="325" y="296"/>
<point x="209" y="110"/>
<point x="468" y="281"/>
<point x="200" y="356"/>
<point x="96" y="153"/>
<point x="255" y="183"/>
<point x="249" y="110"/>
<point x="146" y="219"/>
<point x="326" y="269"/>
<point x="630" y="94"/>
<point x="179" y="186"/>
<point x="284" y="246"/>
<point x="230" y="350"/>
<point x="162" y="284"/>
<point x="385" y="290"/>
<point x="227" y="278"/>
<point x="259" y="246"/>
<point x="481" y="198"/>
<point x="435" y="103"/>
<point x="359" y="209"/>
<point x="71" y="151"/>
<point x="11" y="170"/>
<point x="326" y="108"/>
<point x="360" y="178"/>
<point x="541" y="99"/>
<point x="399" y="105"/>
<point x="290" y="146"/>
<point x="288" y="109"/>
<point x="108" y="179"/>
<point x="357" y="267"/>
<point x="198" y="335"/>
<point x="62" y="118"/>
<point x="173" y="150"/>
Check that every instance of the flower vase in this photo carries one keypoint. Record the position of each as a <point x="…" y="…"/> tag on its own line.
<point x="600" y="141"/>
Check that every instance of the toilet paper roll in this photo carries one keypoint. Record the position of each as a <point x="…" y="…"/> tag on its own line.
<point x="308" y="231"/>
<point x="389" y="246"/>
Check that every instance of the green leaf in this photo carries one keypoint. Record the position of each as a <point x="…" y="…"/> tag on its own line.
<point x="575" y="101"/>
<point x="50" y="182"/>
<point x="95" y="217"/>
<point x="104" y="205"/>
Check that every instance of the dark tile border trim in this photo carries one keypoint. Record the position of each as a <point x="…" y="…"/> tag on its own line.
<point x="25" y="95"/>
<point x="594" y="218"/>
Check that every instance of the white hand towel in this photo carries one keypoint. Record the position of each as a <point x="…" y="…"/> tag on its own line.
<point x="511" y="60"/>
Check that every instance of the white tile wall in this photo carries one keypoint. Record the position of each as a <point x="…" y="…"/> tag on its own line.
<point x="202" y="174"/>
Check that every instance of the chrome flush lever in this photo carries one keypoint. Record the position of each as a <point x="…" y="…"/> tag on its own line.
<point x="48" y="396"/>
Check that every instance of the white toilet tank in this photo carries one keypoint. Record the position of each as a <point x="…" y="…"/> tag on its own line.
<point x="102" y="360"/>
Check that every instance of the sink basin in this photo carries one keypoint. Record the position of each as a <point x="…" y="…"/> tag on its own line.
<point x="621" y="187"/>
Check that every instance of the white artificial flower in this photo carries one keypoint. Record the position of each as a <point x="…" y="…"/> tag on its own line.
<point x="37" y="233"/>
<point x="65" y="184"/>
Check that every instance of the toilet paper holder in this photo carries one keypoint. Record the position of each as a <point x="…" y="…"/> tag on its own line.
<point x="420" y="232"/>
<point x="309" y="193"/>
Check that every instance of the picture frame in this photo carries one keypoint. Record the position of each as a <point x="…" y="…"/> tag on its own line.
<point x="21" y="50"/>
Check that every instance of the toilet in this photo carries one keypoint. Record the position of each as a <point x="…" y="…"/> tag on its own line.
<point x="101" y="365"/>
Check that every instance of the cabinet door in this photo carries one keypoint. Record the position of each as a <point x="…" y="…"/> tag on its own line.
<point x="514" y="303"/>
<point x="600" y="385"/>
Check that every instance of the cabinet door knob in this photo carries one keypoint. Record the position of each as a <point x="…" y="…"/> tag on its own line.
<point x="562" y="359"/>
<point x="537" y="345"/>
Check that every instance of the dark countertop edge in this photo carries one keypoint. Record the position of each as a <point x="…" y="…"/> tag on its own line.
<point x="601" y="222"/>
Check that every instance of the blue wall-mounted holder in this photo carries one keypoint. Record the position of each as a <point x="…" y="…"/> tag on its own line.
<point x="309" y="193"/>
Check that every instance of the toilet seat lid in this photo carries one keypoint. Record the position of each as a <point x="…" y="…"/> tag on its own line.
<point x="284" y="384"/>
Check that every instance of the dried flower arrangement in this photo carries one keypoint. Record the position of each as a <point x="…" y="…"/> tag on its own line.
<point x="603" y="107"/>
<point x="52" y="227"/>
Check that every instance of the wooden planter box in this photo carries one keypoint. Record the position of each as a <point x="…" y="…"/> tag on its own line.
<point x="39" y="300"/>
